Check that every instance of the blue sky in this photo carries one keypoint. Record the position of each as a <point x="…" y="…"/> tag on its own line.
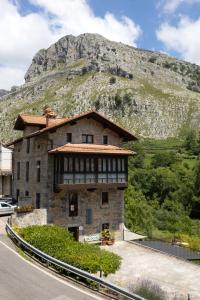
<point x="170" y="26"/>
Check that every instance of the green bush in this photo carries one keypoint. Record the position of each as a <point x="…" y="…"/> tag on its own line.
<point x="112" y="80"/>
<point x="58" y="242"/>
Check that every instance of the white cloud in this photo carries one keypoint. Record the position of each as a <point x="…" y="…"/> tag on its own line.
<point x="10" y="76"/>
<point x="183" y="38"/>
<point x="170" y="6"/>
<point x="23" y="36"/>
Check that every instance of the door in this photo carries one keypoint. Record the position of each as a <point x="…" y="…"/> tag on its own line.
<point x="75" y="232"/>
<point x="37" y="204"/>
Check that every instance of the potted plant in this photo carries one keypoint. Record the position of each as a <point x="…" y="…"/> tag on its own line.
<point x="106" y="237"/>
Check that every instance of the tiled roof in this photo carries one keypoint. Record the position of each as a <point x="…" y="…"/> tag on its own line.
<point x="123" y="133"/>
<point x="91" y="148"/>
<point x="14" y="142"/>
<point x="31" y="119"/>
<point x="34" y="120"/>
<point x="96" y="116"/>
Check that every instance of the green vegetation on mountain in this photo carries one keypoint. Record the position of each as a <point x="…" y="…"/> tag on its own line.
<point x="163" y="197"/>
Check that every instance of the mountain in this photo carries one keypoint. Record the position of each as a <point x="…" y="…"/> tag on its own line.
<point x="3" y="92"/>
<point x="149" y="93"/>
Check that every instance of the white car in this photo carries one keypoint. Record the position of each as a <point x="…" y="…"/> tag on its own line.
<point x="6" y="209"/>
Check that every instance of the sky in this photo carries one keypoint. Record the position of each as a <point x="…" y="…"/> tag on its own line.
<point x="169" y="26"/>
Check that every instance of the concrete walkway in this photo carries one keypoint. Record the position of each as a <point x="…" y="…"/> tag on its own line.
<point x="176" y="277"/>
<point x="3" y="221"/>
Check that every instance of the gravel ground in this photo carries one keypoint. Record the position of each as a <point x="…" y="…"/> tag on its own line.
<point x="179" y="279"/>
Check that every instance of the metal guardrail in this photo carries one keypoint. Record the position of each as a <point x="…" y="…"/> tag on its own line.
<point x="53" y="261"/>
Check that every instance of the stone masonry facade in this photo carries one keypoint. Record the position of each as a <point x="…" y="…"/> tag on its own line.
<point x="31" y="152"/>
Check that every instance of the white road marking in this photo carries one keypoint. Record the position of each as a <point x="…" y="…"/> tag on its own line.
<point x="53" y="276"/>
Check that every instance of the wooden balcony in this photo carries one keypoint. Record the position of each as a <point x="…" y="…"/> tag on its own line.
<point x="90" y="172"/>
<point x="90" y="186"/>
<point x="90" y="183"/>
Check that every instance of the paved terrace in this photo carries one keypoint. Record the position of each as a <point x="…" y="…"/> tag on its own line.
<point x="177" y="277"/>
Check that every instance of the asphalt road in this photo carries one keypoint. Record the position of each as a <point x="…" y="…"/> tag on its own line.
<point x="21" y="280"/>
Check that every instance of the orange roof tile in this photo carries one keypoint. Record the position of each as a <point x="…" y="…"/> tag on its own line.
<point x="98" y="117"/>
<point x="127" y="136"/>
<point x="34" y="120"/>
<point x="91" y="148"/>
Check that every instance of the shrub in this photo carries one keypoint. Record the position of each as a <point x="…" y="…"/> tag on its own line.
<point x="112" y="80"/>
<point x="149" y="290"/>
<point x="24" y="208"/>
<point x="193" y="241"/>
<point x="58" y="242"/>
<point x="152" y="59"/>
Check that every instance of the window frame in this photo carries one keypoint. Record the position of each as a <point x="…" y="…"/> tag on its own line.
<point x="104" y="198"/>
<point x="105" y="140"/>
<point x="27" y="170"/>
<point x="38" y="201"/>
<point x="69" y="137"/>
<point x="28" y="145"/>
<point x="85" y="138"/>
<point x="38" y="171"/>
<point x="73" y="201"/>
<point x="18" y="170"/>
<point x="105" y="226"/>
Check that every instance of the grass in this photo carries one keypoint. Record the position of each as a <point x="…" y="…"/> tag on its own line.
<point x="162" y="235"/>
<point x="147" y="88"/>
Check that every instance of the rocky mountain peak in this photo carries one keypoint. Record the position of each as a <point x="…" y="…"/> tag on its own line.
<point x="147" y="92"/>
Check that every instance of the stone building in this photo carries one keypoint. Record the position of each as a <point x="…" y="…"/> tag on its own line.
<point x="5" y="171"/>
<point x="75" y="168"/>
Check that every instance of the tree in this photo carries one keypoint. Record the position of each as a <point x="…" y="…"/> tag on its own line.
<point x="138" y="213"/>
<point x="112" y="80"/>
<point x="163" y="159"/>
<point x="165" y="183"/>
<point x="137" y="161"/>
<point x="172" y="217"/>
<point x="190" y="141"/>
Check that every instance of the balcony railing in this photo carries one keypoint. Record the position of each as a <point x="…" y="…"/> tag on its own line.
<point x="99" y="178"/>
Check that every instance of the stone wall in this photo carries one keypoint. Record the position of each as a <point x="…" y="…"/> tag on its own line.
<point x="38" y="152"/>
<point x="57" y="205"/>
<point x="37" y="217"/>
<point x="85" y="126"/>
<point x="112" y="213"/>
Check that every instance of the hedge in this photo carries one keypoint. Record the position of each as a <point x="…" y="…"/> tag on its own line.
<point x="59" y="243"/>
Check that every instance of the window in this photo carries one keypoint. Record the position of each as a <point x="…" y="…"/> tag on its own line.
<point x="105" y="226"/>
<point x="18" y="170"/>
<point x="26" y="193"/>
<point x="87" y="138"/>
<point x="104" y="198"/>
<point x="105" y="139"/>
<point x="38" y="170"/>
<point x="69" y="137"/>
<point x="27" y="171"/>
<point x="27" y="145"/>
<point x="5" y="205"/>
<point x="73" y="204"/>
<point x="37" y="204"/>
<point x="88" y="216"/>
<point x="50" y="145"/>
<point x="17" y="195"/>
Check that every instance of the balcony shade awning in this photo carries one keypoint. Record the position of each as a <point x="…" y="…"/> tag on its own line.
<point x="92" y="149"/>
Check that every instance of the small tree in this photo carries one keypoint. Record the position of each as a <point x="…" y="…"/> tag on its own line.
<point x="112" y="80"/>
